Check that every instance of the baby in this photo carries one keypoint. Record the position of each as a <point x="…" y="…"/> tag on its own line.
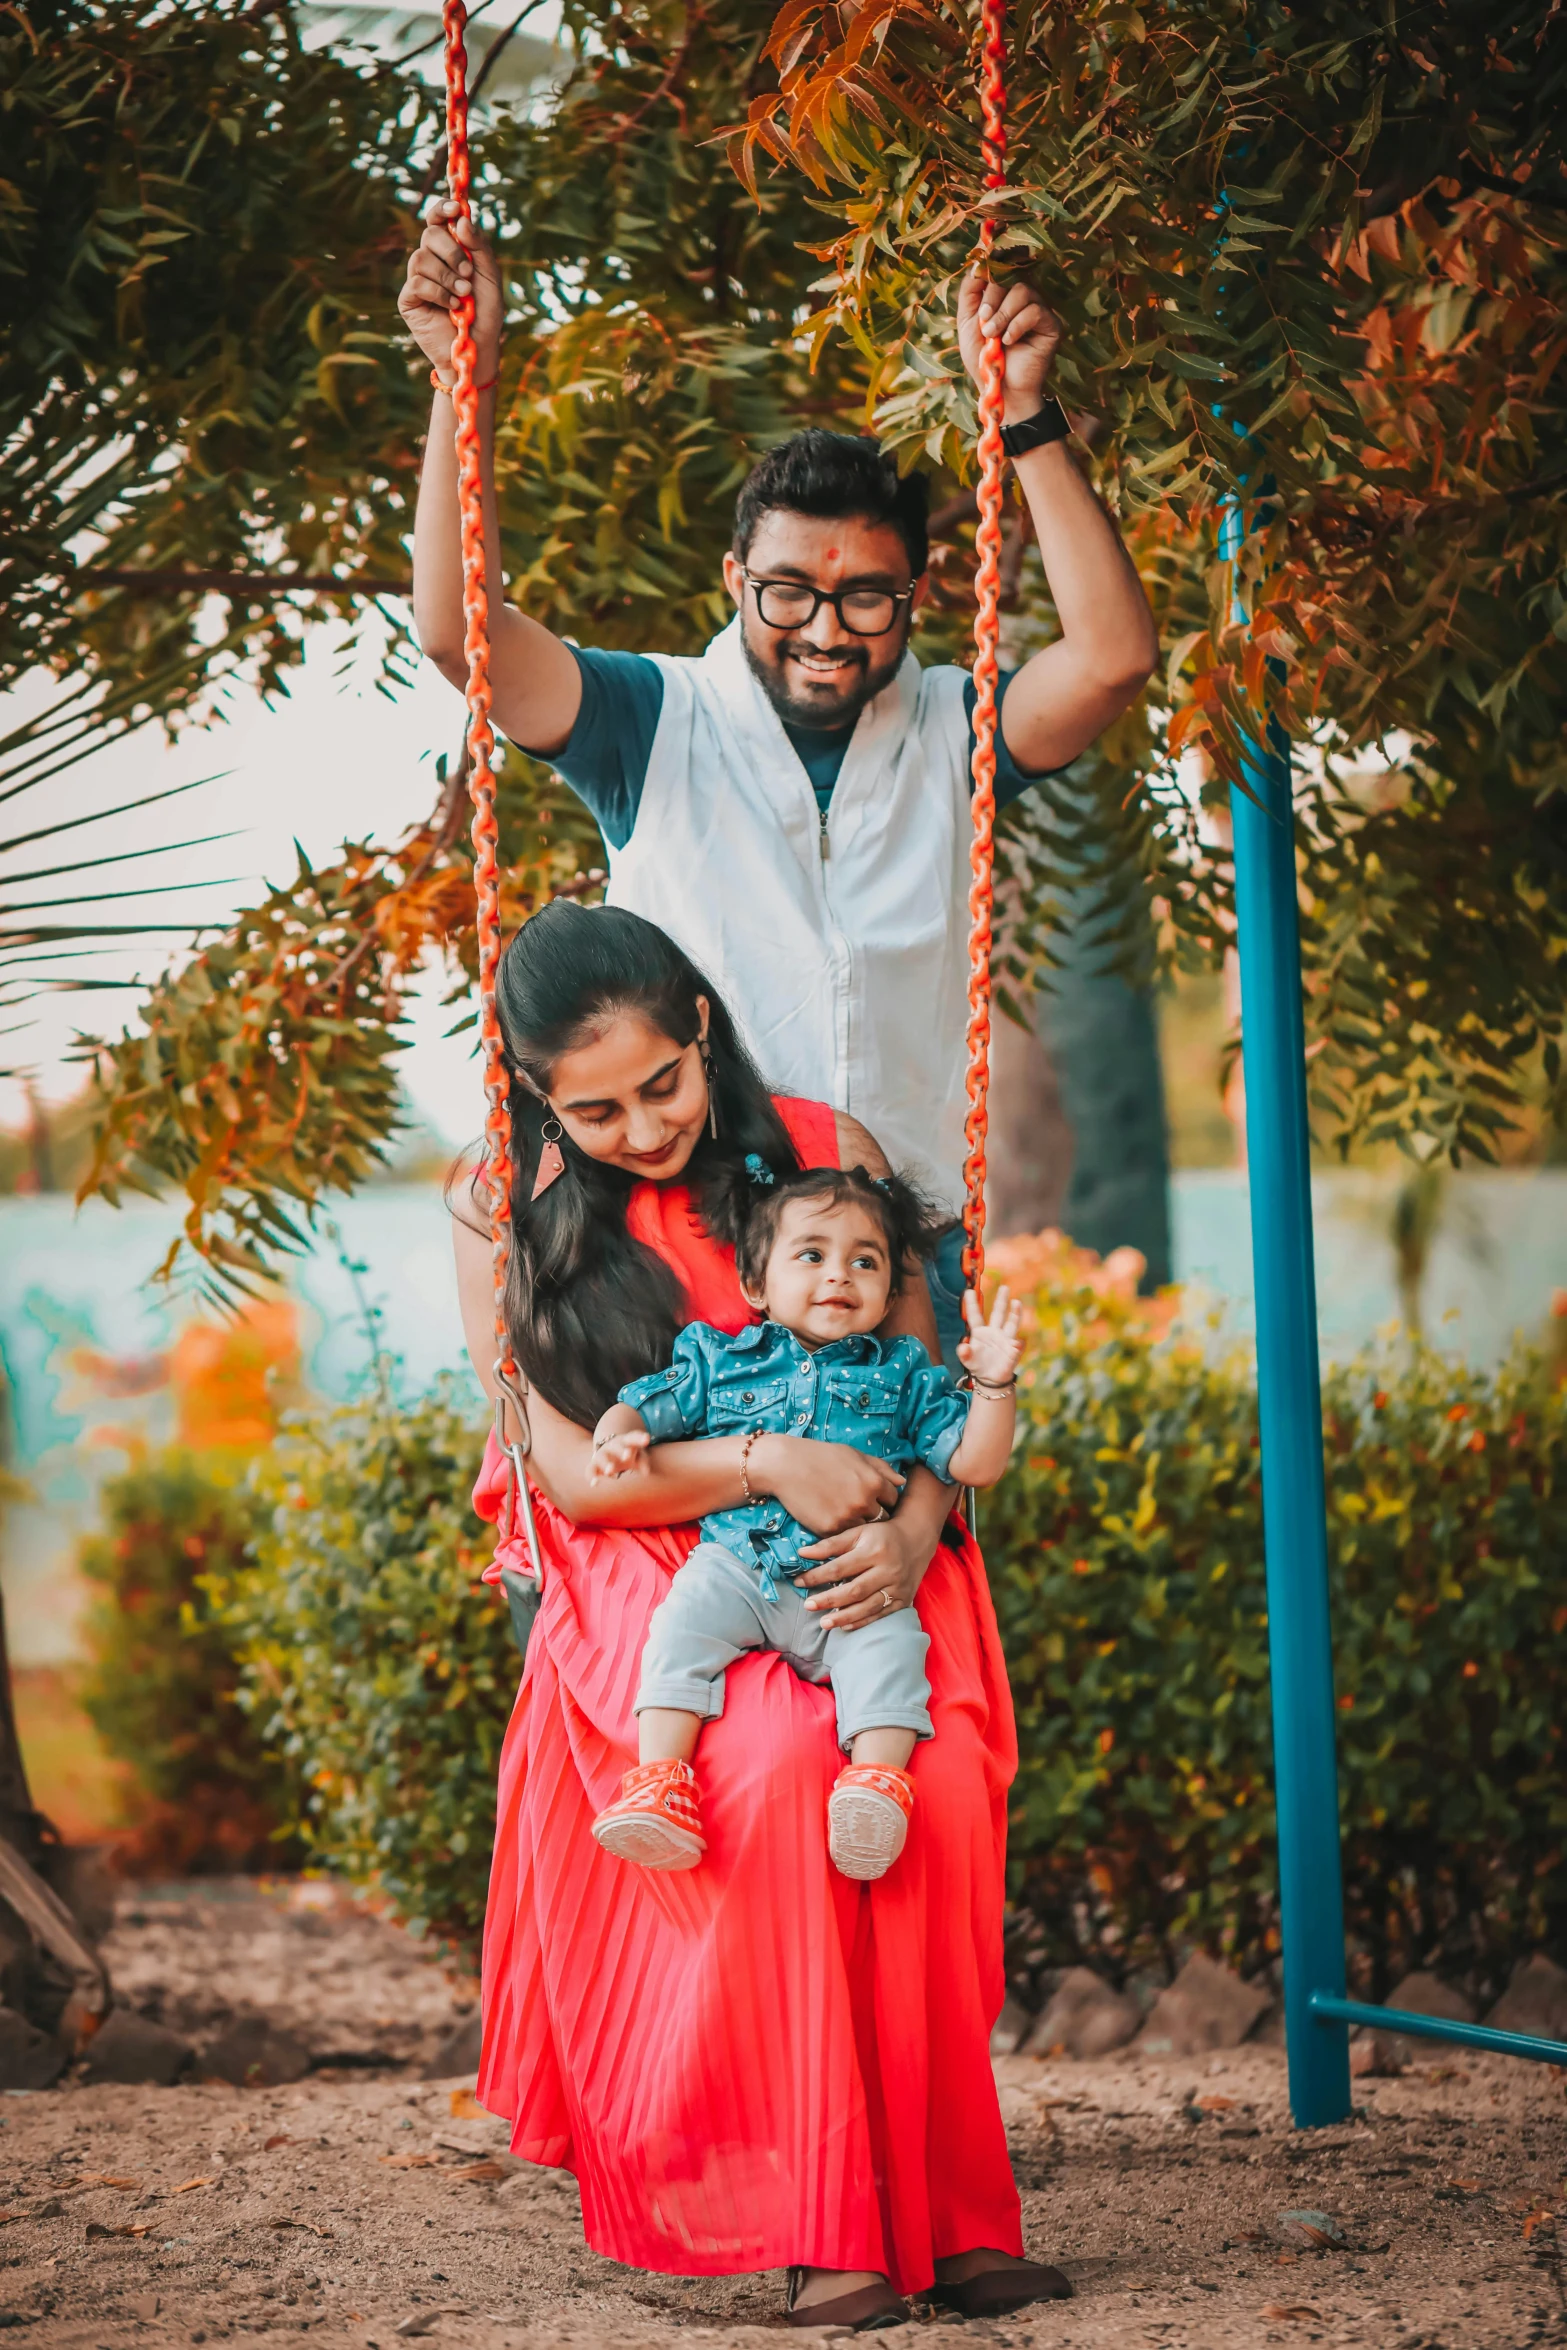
<point x="821" y="1254"/>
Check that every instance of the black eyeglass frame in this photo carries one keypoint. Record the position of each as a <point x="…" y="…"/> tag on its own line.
<point x="820" y="596"/>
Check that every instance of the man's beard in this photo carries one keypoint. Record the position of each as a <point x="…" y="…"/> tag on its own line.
<point x="813" y="716"/>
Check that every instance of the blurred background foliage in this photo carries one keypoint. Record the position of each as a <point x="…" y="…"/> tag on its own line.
<point x="1311" y="259"/>
<point x="337" y="1601"/>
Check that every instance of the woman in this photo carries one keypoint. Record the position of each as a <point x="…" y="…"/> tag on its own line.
<point x="756" y="2064"/>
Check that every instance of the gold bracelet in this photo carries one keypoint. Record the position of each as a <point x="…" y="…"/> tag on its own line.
<point x="745" y="1456"/>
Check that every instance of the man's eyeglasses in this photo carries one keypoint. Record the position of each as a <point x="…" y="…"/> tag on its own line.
<point x="789" y="603"/>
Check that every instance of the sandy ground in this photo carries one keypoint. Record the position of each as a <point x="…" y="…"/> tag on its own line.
<point x="363" y="2206"/>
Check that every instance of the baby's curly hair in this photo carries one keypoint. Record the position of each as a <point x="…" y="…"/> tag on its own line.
<point x="908" y="1222"/>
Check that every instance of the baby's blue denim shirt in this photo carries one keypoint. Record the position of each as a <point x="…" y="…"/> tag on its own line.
<point x="884" y="1397"/>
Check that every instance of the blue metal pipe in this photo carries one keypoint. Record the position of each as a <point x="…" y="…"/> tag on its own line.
<point x="1290" y="1406"/>
<point x="1436" y="2027"/>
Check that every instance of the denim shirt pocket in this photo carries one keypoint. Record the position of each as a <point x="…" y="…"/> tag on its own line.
<point x="738" y="1399"/>
<point x="865" y="1402"/>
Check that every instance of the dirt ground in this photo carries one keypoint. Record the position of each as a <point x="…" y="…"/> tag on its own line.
<point x="363" y="2205"/>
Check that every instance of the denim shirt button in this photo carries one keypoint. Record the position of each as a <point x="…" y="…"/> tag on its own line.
<point x="804" y="1420"/>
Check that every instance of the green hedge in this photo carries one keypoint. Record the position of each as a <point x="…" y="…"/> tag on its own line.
<point x="1125" y="1552"/>
<point x="374" y="1659"/>
<point x="161" y="1681"/>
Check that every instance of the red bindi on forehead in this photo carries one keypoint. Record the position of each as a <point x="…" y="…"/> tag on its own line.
<point x="832" y="554"/>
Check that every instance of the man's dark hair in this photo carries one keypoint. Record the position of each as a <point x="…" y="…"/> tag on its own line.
<point x="832" y="474"/>
<point x="908" y="1224"/>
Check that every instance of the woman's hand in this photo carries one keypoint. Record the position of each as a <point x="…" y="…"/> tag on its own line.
<point x="866" y="1572"/>
<point x="870" y="1570"/>
<point x="450" y="259"/>
<point x="826" y="1485"/>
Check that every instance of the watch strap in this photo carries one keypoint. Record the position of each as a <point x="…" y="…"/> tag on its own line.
<point x="1037" y="432"/>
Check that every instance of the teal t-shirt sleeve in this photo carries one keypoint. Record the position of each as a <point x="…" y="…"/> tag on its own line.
<point x="605" y="761"/>
<point x="1012" y="781"/>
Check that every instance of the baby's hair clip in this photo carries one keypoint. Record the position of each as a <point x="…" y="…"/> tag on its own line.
<point x="882" y="1184"/>
<point x="758" y="1170"/>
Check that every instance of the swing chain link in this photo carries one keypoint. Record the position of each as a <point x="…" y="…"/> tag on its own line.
<point x="481" y="786"/>
<point x="481" y="742"/>
<point x="987" y="637"/>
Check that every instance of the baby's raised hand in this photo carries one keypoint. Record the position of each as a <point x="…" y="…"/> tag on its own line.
<point x="992" y="1349"/>
<point x="623" y="1455"/>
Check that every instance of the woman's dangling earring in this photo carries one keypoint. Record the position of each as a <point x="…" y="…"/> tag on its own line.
<point x="551" y="1159"/>
<point x="712" y="1092"/>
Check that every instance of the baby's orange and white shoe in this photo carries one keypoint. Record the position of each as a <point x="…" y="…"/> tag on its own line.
<point x="656" y="1819"/>
<point x="868" y="1815"/>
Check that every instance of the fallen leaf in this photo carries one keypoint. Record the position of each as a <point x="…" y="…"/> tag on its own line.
<point x="1213" y="2104"/>
<point x="308" y="2226"/>
<point x="1249" y="2236"/>
<point x="1469" y="2186"/>
<point x="103" y="2178"/>
<point x="186" y="2185"/>
<point x="95" y="2229"/>
<point x="423" y="2320"/>
<point x="411" y="2161"/>
<point x="479" y="2172"/>
<point x="466" y="2107"/>
<point x="1446" y="2072"/>
<point x="1301" y="2310"/>
<point x="1537" y="2219"/>
<point x="282" y="2139"/>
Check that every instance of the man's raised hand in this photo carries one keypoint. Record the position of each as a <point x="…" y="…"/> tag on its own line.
<point x="448" y="261"/>
<point x="1029" y="335"/>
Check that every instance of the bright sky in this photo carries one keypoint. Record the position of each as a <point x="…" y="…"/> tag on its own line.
<point x="335" y="761"/>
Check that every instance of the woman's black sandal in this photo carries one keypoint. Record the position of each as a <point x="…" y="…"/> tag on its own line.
<point x="996" y="2292"/>
<point x="864" y="2311"/>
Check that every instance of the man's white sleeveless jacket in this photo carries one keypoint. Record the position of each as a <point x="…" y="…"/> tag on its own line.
<point x="847" y="972"/>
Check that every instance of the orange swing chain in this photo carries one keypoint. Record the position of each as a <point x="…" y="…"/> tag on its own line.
<point x="987" y="634"/>
<point x="481" y="788"/>
<point x="481" y="736"/>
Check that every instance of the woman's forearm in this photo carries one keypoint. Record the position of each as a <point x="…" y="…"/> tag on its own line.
<point x="920" y="1516"/>
<point x="680" y="1482"/>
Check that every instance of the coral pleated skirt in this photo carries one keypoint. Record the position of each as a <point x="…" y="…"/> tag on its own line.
<point x="757" y="2062"/>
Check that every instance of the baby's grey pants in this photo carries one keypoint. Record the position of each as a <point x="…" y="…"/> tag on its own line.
<point x="716" y="1613"/>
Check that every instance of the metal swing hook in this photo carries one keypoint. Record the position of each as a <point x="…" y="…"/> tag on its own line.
<point x="517" y="1450"/>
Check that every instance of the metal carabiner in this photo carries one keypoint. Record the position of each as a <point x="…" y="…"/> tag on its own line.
<point x="517" y="1450"/>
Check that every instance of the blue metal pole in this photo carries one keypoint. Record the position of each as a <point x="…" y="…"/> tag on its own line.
<point x="1290" y="1403"/>
<point x="1438" y="2027"/>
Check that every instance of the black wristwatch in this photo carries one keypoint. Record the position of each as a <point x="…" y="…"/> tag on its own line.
<point x="1038" y="432"/>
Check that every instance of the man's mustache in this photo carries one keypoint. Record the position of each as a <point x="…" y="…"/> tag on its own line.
<point x="846" y="656"/>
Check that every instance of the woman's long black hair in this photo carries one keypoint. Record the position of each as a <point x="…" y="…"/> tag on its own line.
<point x="587" y="1306"/>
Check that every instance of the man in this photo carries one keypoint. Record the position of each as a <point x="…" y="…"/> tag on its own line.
<point x="793" y="806"/>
